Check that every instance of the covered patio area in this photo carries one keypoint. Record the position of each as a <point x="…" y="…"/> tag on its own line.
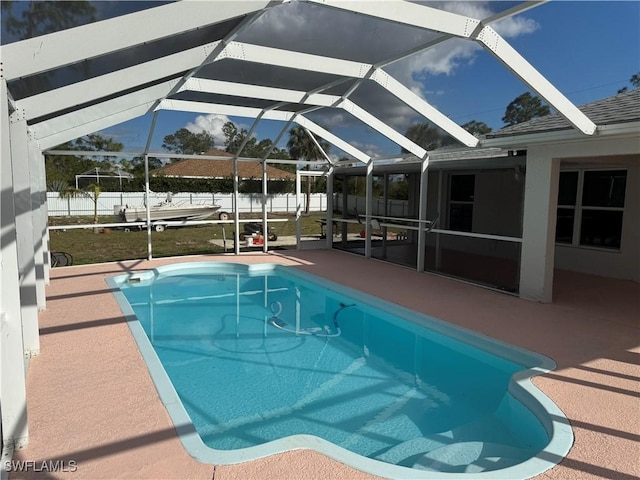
<point x="91" y="400"/>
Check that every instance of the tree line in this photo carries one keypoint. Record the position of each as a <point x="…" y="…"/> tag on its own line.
<point x="61" y="171"/>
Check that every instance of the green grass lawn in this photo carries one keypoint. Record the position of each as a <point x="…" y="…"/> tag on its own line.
<point x="86" y="246"/>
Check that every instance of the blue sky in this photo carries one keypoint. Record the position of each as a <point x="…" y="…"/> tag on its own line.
<point x="587" y="49"/>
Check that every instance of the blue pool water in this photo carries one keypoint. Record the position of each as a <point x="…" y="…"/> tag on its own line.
<point x="264" y="353"/>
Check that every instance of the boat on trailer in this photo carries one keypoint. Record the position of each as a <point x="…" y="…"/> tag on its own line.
<point x="168" y="210"/>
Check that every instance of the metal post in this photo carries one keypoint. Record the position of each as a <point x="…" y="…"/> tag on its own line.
<point x="298" y="207"/>
<point x="147" y="206"/>
<point x="15" y="432"/>
<point x="24" y="232"/>
<point x="422" y="213"/>
<point x="44" y="215"/>
<point x="368" y="210"/>
<point x="236" y="213"/>
<point x="147" y="147"/>
<point x="385" y="211"/>
<point x="329" y="215"/>
<point x="39" y="223"/>
<point x="438" y="213"/>
<point x="345" y="208"/>
<point x="265" y="226"/>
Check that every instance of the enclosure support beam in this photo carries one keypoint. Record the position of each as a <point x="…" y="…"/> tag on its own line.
<point x="24" y="231"/>
<point x="539" y="226"/>
<point x="422" y="213"/>
<point x="283" y="116"/>
<point x="36" y="167"/>
<point x="334" y="66"/>
<point x="438" y="259"/>
<point x="465" y="27"/>
<point x="298" y="208"/>
<point x="236" y="203"/>
<point x="109" y="84"/>
<point x="91" y="119"/>
<point x="331" y="138"/>
<point x="73" y="45"/>
<point x="265" y="192"/>
<point x="147" y="185"/>
<point x="515" y="62"/>
<point x="368" y="210"/>
<point x="316" y="99"/>
<point x="409" y="14"/>
<point x="385" y="211"/>
<point x="15" y="432"/>
<point x="44" y="216"/>
<point x="329" y="216"/>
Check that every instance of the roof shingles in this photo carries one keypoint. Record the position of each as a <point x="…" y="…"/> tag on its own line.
<point x="621" y="108"/>
<point x="203" y="168"/>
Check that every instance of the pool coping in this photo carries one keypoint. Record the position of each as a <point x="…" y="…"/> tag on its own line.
<point x="546" y="411"/>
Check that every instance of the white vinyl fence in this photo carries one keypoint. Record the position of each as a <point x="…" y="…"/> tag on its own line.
<point x="248" y="202"/>
<point x="395" y="208"/>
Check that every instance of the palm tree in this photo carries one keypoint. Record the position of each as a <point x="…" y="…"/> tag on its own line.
<point x="91" y="191"/>
<point x="302" y="147"/>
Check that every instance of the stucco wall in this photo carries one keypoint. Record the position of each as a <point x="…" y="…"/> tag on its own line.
<point x="623" y="264"/>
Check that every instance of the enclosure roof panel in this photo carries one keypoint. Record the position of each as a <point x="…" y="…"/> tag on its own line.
<point x="80" y="80"/>
<point x="16" y="27"/>
<point x="119" y="60"/>
<point x="361" y="38"/>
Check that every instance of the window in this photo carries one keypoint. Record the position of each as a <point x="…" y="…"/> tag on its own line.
<point x="567" y="194"/>
<point x="590" y="208"/>
<point x="462" y="189"/>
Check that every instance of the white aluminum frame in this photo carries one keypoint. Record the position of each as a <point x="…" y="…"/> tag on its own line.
<point x="15" y="431"/>
<point x="465" y="27"/>
<point x="46" y="52"/>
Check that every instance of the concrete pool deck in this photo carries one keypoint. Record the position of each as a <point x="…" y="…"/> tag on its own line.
<point x="92" y="401"/>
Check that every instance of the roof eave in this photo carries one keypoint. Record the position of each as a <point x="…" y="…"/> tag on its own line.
<point x="516" y="141"/>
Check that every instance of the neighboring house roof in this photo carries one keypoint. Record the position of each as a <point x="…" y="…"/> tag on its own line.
<point x="195" y="167"/>
<point x="621" y="108"/>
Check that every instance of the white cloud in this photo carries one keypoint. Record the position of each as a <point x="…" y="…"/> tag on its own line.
<point x="370" y="149"/>
<point x="331" y="119"/>
<point x="448" y="57"/>
<point x="451" y="54"/>
<point x="211" y="124"/>
<point x="515" y="26"/>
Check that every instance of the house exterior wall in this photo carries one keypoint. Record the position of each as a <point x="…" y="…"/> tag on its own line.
<point x="616" y="151"/>
<point x="622" y="264"/>
<point x="501" y="184"/>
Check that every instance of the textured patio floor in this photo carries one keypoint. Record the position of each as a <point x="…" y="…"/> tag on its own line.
<point x="91" y="400"/>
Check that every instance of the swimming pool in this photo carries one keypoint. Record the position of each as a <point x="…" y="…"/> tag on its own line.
<point x="260" y="359"/>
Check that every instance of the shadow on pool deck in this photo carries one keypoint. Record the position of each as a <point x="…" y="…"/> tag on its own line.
<point x="91" y="400"/>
